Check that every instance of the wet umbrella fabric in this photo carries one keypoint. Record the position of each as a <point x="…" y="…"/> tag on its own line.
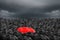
<point x="25" y="30"/>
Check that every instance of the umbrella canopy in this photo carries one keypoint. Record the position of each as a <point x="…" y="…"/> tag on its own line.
<point x="32" y="30"/>
<point x="25" y="30"/>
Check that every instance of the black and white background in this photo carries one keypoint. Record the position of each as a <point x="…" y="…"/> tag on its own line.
<point x="30" y="8"/>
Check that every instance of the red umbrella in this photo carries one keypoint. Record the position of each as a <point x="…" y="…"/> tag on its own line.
<point x="25" y="30"/>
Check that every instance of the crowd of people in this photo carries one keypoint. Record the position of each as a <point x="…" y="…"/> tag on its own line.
<point x="46" y="29"/>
